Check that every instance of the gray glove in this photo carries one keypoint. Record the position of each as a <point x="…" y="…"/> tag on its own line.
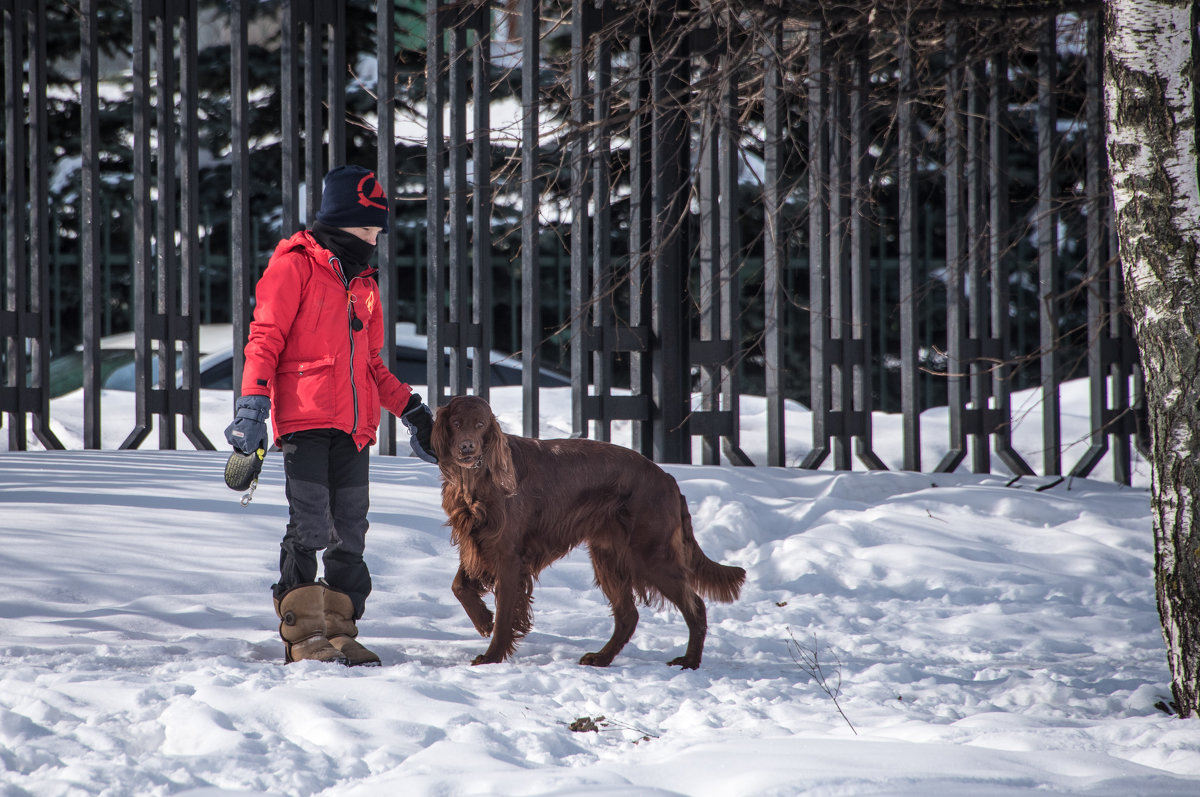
<point x="418" y="419"/>
<point x="248" y="432"/>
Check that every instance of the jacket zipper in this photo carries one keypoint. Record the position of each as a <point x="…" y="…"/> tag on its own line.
<point x="350" y="328"/>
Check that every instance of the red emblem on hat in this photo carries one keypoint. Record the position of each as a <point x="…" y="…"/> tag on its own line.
<point x="368" y="194"/>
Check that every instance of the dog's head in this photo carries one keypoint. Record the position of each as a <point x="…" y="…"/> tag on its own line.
<point x="470" y="444"/>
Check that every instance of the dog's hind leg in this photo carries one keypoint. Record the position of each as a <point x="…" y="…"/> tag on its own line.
<point x="676" y="590"/>
<point x="617" y="588"/>
<point x="469" y="592"/>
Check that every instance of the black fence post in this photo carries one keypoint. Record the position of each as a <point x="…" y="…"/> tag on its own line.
<point x="582" y="17"/>
<point x="729" y="326"/>
<point x="641" y="221"/>
<point x="671" y="164"/>
<point x="995" y="341"/>
<point x="435" y="190"/>
<point x="1047" y="238"/>
<point x="458" y="273"/>
<point x="481" y="201"/>
<point x="856" y="334"/>
<point x="89" y="234"/>
<point x="600" y="317"/>
<point x="289" y="108"/>
<point x="956" y="328"/>
<point x="187" y="318"/>
<point x="531" y="273"/>
<point x="242" y="249"/>
<point x="385" y="169"/>
<point x="910" y="399"/>
<point x="774" y="244"/>
<point x="836" y="367"/>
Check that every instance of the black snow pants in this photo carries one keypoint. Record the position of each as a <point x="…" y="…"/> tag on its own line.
<point x="328" y="497"/>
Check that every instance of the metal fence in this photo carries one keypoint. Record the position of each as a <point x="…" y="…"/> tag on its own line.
<point x="640" y="80"/>
<point x="857" y="246"/>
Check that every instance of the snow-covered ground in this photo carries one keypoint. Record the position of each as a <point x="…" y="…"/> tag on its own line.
<point x="981" y="637"/>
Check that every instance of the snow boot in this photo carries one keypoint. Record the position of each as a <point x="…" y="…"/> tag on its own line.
<point x="342" y="632"/>
<point x="301" y="613"/>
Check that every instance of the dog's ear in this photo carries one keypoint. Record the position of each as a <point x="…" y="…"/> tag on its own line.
<point x="441" y="437"/>
<point x="498" y="459"/>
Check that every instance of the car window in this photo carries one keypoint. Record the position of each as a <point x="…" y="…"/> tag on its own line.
<point x="66" y="371"/>
<point x="548" y="378"/>
<point x="218" y="375"/>
<point x="410" y="366"/>
<point x="505" y="375"/>
<point x="125" y="376"/>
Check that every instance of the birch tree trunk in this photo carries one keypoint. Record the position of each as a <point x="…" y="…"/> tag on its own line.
<point x="1150" y="97"/>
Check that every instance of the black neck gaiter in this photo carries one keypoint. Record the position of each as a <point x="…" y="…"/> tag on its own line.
<point x="353" y="251"/>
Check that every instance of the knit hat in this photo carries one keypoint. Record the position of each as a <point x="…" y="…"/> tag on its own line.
<point x="353" y="198"/>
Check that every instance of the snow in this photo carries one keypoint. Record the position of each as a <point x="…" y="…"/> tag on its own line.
<point x="982" y="637"/>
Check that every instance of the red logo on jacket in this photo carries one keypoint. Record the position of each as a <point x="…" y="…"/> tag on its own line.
<point x="370" y="190"/>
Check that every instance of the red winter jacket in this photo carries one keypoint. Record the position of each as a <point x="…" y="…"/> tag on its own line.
<point x="303" y="352"/>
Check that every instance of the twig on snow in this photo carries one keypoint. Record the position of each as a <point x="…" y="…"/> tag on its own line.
<point x="810" y="662"/>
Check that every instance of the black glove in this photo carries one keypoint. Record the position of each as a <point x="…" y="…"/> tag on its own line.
<point x="248" y="432"/>
<point x="418" y="419"/>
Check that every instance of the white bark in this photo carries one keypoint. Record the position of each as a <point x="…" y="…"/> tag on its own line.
<point x="1152" y="144"/>
<point x="1155" y="38"/>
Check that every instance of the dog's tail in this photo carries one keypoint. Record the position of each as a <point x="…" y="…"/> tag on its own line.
<point x="718" y="582"/>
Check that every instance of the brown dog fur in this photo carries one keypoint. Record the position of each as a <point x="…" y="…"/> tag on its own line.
<point x="515" y="505"/>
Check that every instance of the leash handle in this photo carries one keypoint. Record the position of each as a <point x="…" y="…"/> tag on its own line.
<point x="248" y="497"/>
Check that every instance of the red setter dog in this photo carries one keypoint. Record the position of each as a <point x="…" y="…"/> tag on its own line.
<point x="516" y="505"/>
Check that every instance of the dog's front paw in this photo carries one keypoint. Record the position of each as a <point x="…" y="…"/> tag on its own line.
<point x="684" y="662"/>
<point x="485" y="626"/>
<point x="484" y="658"/>
<point x="595" y="660"/>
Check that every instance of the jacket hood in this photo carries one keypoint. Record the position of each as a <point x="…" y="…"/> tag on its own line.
<point x="305" y="240"/>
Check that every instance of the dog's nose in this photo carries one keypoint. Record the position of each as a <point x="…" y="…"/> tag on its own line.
<point x="467" y="446"/>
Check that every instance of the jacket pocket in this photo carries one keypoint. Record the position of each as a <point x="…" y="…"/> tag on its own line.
<point x="372" y="406"/>
<point x="311" y="312"/>
<point x="304" y="391"/>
